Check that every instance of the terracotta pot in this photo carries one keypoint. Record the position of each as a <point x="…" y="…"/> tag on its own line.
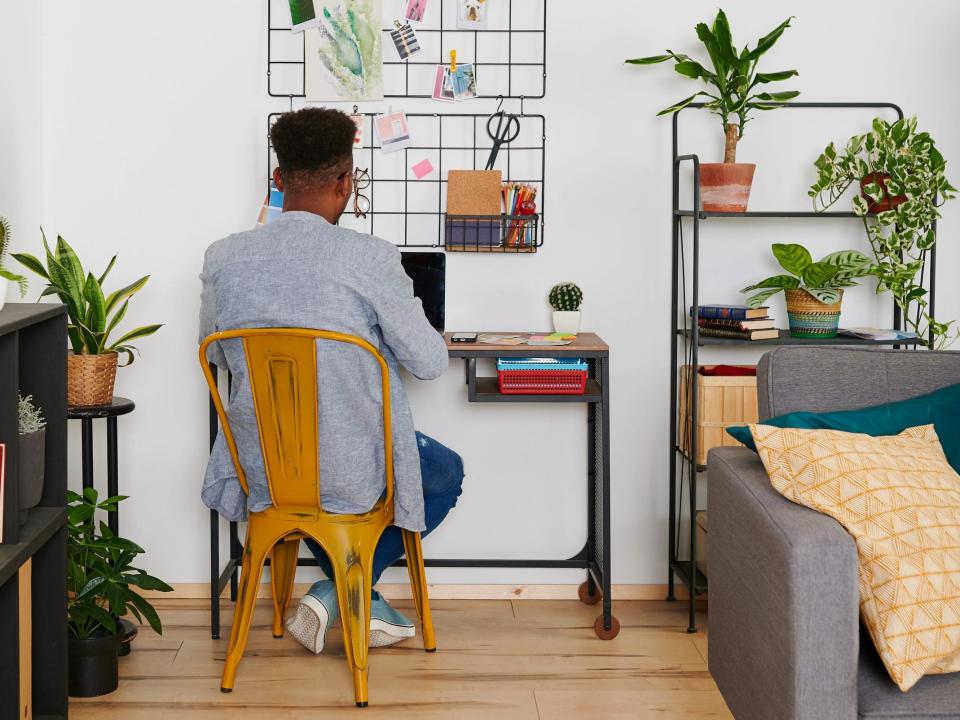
<point x="810" y="318"/>
<point x="888" y="203"/>
<point x="90" y="379"/>
<point x="725" y="187"/>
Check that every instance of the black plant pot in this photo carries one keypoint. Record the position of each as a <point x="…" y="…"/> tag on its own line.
<point x="31" y="449"/>
<point x="93" y="665"/>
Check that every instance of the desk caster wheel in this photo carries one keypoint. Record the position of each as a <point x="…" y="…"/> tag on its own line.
<point x="584" y="593"/>
<point x="602" y="632"/>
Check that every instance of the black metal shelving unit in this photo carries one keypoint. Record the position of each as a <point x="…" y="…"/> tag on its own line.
<point x="684" y="333"/>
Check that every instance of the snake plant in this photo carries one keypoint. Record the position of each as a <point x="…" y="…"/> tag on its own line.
<point x="93" y="315"/>
<point x="4" y="245"/>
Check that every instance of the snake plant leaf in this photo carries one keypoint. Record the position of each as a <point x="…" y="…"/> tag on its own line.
<point x="90" y="340"/>
<point x="123" y="293"/>
<point x="792" y="257"/>
<point x="75" y="340"/>
<point x="826" y="295"/>
<point x="124" y="350"/>
<point x="761" y="297"/>
<point x="819" y="274"/>
<point x="769" y="40"/>
<point x="113" y="322"/>
<point x="32" y="264"/>
<point x="777" y="281"/>
<point x="97" y="308"/>
<point x="142" y="331"/>
<point x="106" y="272"/>
<point x="68" y="258"/>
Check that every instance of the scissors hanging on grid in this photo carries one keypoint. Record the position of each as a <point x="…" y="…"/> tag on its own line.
<point x="507" y="130"/>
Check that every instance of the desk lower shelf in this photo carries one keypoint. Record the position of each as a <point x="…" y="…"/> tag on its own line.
<point x="487" y="390"/>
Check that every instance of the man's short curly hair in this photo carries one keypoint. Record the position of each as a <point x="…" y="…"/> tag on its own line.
<point x="314" y="146"/>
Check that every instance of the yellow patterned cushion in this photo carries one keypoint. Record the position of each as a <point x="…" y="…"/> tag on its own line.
<point x="900" y="500"/>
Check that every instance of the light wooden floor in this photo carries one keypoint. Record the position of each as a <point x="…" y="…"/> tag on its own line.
<point x="495" y="659"/>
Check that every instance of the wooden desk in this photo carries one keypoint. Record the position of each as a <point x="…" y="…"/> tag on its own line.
<point x="595" y="555"/>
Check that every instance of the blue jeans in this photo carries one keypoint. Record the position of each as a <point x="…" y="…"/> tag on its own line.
<point x="442" y="472"/>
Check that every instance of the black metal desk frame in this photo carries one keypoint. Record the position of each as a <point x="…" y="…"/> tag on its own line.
<point x="594" y="557"/>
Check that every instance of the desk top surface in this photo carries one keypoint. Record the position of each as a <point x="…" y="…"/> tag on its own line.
<point x="586" y="345"/>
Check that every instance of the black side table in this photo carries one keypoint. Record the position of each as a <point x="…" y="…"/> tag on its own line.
<point x="86" y="415"/>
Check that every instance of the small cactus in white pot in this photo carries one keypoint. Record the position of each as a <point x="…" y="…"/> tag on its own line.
<point x="565" y="299"/>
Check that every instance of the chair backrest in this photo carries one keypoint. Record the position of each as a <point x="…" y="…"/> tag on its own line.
<point x="824" y="379"/>
<point x="282" y="371"/>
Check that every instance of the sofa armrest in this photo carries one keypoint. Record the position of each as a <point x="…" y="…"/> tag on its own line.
<point x="784" y="623"/>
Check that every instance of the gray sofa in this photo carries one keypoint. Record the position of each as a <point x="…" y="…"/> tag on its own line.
<point x="785" y="637"/>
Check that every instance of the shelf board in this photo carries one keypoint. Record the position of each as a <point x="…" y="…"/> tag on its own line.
<point x="768" y="214"/>
<point x="682" y="569"/>
<point x="787" y="339"/>
<point x="42" y="524"/>
<point x="15" y="316"/>
<point x="489" y="391"/>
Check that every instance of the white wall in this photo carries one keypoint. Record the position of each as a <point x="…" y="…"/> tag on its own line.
<point x="21" y="159"/>
<point x="153" y="132"/>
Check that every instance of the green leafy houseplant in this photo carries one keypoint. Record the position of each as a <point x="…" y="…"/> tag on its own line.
<point x="101" y="579"/>
<point x="824" y="280"/>
<point x="5" y="234"/>
<point x="565" y="297"/>
<point x="901" y="175"/>
<point x="93" y="315"/>
<point x="735" y="85"/>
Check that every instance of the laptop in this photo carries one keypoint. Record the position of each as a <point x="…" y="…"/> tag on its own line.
<point x="428" y="270"/>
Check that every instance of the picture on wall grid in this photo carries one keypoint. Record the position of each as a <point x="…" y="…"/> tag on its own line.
<point x="343" y="53"/>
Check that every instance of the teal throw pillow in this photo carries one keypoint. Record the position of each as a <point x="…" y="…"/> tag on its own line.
<point x="942" y="408"/>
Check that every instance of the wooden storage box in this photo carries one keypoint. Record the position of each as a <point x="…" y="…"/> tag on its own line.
<point x="702" y="541"/>
<point x="723" y="401"/>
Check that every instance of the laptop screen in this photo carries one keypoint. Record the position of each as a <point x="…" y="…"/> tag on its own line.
<point x="428" y="270"/>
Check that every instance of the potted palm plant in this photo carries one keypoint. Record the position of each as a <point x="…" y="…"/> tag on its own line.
<point x="93" y="316"/>
<point x="7" y="276"/>
<point x="101" y="588"/>
<point x="565" y="299"/>
<point x="31" y="447"/>
<point x="902" y="182"/>
<point x="814" y="290"/>
<point x="735" y="92"/>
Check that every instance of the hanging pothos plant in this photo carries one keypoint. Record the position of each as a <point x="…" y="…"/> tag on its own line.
<point x="901" y="177"/>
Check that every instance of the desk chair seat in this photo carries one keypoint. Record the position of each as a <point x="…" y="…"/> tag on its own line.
<point x="282" y="368"/>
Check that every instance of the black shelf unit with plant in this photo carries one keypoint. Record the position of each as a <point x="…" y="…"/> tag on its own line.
<point x="685" y="337"/>
<point x="33" y="361"/>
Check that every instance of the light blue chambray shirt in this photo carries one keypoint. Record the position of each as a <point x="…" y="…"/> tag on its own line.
<point x="301" y="271"/>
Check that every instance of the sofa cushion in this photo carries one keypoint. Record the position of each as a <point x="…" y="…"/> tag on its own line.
<point x="942" y="408"/>
<point x="934" y="697"/>
<point x="900" y="499"/>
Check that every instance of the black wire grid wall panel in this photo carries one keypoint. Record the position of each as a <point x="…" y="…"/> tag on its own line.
<point x="411" y="212"/>
<point x="510" y="56"/>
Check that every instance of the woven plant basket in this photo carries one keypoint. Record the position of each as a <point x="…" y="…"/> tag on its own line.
<point x="810" y="318"/>
<point x="90" y="379"/>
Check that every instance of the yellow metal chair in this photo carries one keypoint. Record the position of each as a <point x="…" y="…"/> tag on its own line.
<point x="282" y="367"/>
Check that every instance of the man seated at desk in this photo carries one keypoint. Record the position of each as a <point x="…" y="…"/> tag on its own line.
<point x="303" y="270"/>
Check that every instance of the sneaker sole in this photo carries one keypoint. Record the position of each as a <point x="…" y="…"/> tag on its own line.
<point x="309" y="625"/>
<point x="383" y="633"/>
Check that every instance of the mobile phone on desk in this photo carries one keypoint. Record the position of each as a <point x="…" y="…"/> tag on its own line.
<point x="464" y="338"/>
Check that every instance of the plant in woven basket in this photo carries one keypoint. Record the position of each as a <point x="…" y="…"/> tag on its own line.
<point x="902" y="180"/>
<point x="93" y="315"/>
<point x="4" y="248"/>
<point x="814" y="290"/>
<point x="565" y="297"/>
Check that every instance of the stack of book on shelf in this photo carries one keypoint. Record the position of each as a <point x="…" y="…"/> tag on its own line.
<point x="737" y="322"/>
<point x="541" y="376"/>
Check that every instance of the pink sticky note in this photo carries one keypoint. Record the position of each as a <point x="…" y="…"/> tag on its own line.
<point x="422" y="168"/>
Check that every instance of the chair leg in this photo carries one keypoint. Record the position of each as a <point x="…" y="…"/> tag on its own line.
<point x="352" y="559"/>
<point x="418" y="584"/>
<point x="283" y="572"/>
<point x="254" y="555"/>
